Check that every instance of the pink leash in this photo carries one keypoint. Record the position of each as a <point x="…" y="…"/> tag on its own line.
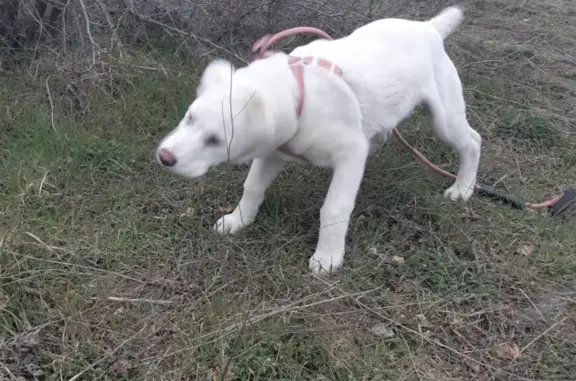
<point x="260" y="50"/>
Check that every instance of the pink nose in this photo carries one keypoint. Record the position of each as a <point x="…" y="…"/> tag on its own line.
<point x="167" y="158"/>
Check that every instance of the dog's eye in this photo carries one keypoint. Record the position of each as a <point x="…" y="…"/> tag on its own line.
<point x="212" y="140"/>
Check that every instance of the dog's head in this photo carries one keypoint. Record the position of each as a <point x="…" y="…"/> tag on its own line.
<point x="227" y="122"/>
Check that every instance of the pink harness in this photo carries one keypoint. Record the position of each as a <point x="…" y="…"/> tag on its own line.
<point x="260" y="50"/>
<point x="297" y="66"/>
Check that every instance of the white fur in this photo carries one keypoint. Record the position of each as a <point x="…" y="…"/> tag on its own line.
<point x="390" y="67"/>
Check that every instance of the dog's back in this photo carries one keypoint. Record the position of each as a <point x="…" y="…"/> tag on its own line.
<point x="444" y="23"/>
<point x="388" y="60"/>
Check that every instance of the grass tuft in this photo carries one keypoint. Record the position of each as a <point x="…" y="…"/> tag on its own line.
<point x="109" y="268"/>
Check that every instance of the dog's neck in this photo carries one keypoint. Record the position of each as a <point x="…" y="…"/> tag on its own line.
<point x="274" y="78"/>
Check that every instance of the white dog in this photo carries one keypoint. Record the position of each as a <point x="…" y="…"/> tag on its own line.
<point x="389" y="67"/>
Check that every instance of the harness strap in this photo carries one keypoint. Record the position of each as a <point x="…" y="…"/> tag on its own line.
<point x="298" y="71"/>
<point x="297" y="66"/>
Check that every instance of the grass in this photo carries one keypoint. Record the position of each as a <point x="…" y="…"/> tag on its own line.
<point x="109" y="269"/>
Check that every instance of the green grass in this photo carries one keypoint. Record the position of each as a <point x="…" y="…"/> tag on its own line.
<point x="109" y="267"/>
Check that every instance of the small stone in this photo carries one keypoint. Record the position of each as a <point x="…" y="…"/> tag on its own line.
<point x="398" y="260"/>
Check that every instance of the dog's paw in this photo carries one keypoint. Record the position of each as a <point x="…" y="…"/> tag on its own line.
<point x="229" y="224"/>
<point x="322" y="263"/>
<point x="458" y="192"/>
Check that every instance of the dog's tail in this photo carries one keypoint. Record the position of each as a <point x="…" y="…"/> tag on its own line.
<point x="447" y="20"/>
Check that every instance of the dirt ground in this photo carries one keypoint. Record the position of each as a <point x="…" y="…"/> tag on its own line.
<point x="109" y="269"/>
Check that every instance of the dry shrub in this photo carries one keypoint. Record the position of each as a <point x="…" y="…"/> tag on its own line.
<point x="199" y="27"/>
<point x="71" y="47"/>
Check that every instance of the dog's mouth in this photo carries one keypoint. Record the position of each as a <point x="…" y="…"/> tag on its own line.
<point x="190" y="171"/>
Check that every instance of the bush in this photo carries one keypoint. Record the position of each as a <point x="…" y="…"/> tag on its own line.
<point x="198" y="27"/>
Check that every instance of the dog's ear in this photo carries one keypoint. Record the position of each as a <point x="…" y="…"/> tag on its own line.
<point x="251" y="104"/>
<point x="217" y="73"/>
<point x="260" y="113"/>
<point x="258" y="128"/>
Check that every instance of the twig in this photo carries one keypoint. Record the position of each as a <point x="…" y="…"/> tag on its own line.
<point x="109" y="354"/>
<point x="532" y="303"/>
<point x="132" y="300"/>
<point x="542" y="334"/>
<point x="424" y="337"/>
<point x="190" y="34"/>
<point x="87" y="19"/>
<point x="51" y="107"/>
<point x="74" y="265"/>
<point x="114" y="37"/>
<point x="295" y="306"/>
<point x="288" y="308"/>
<point x="12" y="377"/>
<point x="41" y="186"/>
<point x="411" y="357"/>
<point x="52" y="249"/>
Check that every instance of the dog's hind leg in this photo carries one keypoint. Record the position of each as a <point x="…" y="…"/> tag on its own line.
<point x="262" y="172"/>
<point x="445" y="102"/>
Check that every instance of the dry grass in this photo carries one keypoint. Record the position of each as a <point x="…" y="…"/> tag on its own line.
<point x="109" y="269"/>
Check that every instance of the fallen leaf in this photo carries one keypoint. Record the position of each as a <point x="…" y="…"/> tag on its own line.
<point x="526" y="250"/>
<point x="120" y="367"/>
<point x="507" y="351"/>
<point x="423" y="321"/>
<point x="381" y="330"/>
<point x="189" y="213"/>
<point x="339" y="364"/>
<point x="473" y="365"/>
<point x="227" y="376"/>
<point x="225" y="209"/>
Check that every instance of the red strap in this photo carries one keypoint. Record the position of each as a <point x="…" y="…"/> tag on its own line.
<point x="298" y="71"/>
<point x="296" y="64"/>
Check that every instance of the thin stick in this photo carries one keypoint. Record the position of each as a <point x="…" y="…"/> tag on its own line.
<point x="109" y="354"/>
<point x="542" y="334"/>
<point x="12" y="377"/>
<point x="532" y="303"/>
<point x="411" y="357"/>
<point x="198" y="38"/>
<point x="424" y="337"/>
<point x="132" y="300"/>
<point x="87" y="19"/>
<point x="51" y="108"/>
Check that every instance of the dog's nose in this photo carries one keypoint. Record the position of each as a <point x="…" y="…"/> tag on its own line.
<point x="167" y="158"/>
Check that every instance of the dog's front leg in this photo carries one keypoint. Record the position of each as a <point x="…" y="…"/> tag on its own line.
<point x="262" y="172"/>
<point x="337" y="208"/>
